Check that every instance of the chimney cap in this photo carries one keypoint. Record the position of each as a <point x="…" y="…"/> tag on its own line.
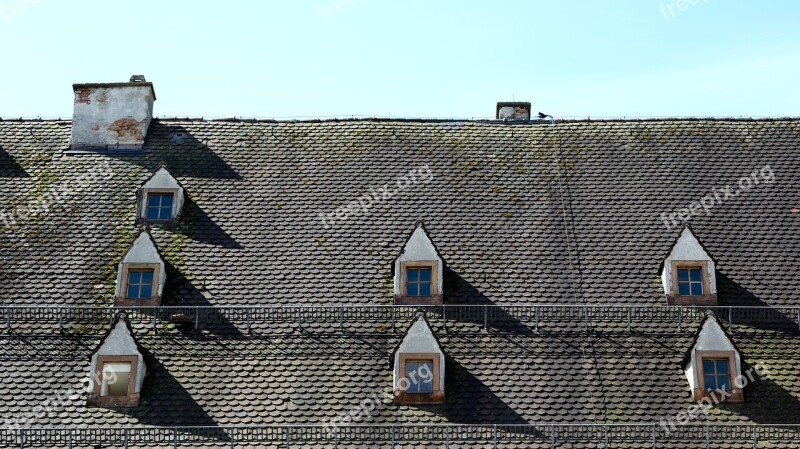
<point x="137" y="79"/>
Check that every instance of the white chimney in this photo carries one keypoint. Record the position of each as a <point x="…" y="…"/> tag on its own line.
<point x="513" y="110"/>
<point x="112" y="116"/>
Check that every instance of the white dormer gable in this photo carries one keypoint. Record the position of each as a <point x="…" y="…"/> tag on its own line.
<point x="687" y="250"/>
<point x="419" y="250"/>
<point x="712" y="343"/>
<point x="418" y="338"/>
<point x="162" y="182"/>
<point x="142" y="253"/>
<point x="419" y="343"/>
<point x="119" y="342"/>
<point x="116" y="359"/>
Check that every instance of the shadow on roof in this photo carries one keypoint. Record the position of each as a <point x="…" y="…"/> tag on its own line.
<point x="201" y="228"/>
<point x="183" y="154"/>
<point x="459" y="291"/>
<point x="9" y="168"/>
<point x="180" y="291"/>
<point x="166" y="403"/>
<point x="469" y="401"/>
<point x="761" y="398"/>
<point x="46" y="347"/>
<point x="732" y="293"/>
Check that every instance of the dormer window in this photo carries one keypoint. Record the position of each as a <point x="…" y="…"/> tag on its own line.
<point x="716" y="373"/>
<point x="418" y="370"/>
<point x="688" y="273"/>
<point x="159" y="206"/>
<point x="160" y="199"/>
<point x="689" y="279"/>
<point x="713" y="364"/>
<point x="115" y="376"/>
<point x="418" y="366"/>
<point x="140" y="283"/>
<point x="419" y="278"/>
<point x="141" y="276"/>
<point x="418" y="271"/>
<point x="117" y="368"/>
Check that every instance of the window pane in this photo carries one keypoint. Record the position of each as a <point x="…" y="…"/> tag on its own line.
<point x="425" y="289"/>
<point x="117" y="367"/>
<point x="419" y="377"/>
<point x="120" y="386"/>
<point x="425" y="275"/>
<point x="411" y="376"/>
<point x="683" y="274"/>
<point x="709" y="380"/>
<point x="683" y="289"/>
<point x="708" y="366"/>
<point x="697" y="288"/>
<point x="722" y="383"/>
<point x="116" y="378"/>
<point x="134" y="277"/>
<point x="413" y="275"/>
<point x="412" y="289"/>
<point x="696" y="274"/>
<point x="722" y="366"/>
<point x="159" y="206"/>
<point x="425" y="376"/>
<point x="147" y="277"/>
<point x="145" y="291"/>
<point x="133" y="291"/>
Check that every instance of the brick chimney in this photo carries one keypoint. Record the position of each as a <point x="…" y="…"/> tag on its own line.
<point x="112" y="116"/>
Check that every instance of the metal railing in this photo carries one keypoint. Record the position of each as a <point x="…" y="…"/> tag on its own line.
<point x="532" y="316"/>
<point x="603" y="435"/>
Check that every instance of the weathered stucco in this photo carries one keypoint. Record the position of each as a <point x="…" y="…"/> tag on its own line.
<point x="111" y="115"/>
<point x="418" y="248"/>
<point x="418" y="339"/>
<point x="142" y="251"/>
<point x="119" y="342"/>
<point x="687" y="248"/>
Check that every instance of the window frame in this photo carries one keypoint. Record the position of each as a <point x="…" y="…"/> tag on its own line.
<point x="420" y="361"/>
<point x="419" y="283"/>
<point x="689" y="270"/>
<point x="716" y="374"/>
<point x="435" y="295"/>
<point x="714" y="355"/>
<point x="146" y="195"/>
<point x="436" y="396"/>
<point x="131" y="399"/>
<point x="690" y="264"/>
<point x="735" y="394"/>
<point x="123" y="300"/>
<point x="127" y="284"/>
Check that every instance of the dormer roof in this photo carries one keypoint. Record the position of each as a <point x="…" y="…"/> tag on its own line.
<point x="687" y="246"/>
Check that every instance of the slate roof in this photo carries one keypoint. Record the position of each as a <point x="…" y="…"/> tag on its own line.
<point x="522" y="213"/>
<point x="493" y="209"/>
<point x="281" y="374"/>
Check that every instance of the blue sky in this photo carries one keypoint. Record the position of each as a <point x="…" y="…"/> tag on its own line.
<point x="409" y="58"/>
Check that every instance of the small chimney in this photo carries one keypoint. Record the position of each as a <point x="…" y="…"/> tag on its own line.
<point x="513" y="110"/>
<point x="112" y="116"/>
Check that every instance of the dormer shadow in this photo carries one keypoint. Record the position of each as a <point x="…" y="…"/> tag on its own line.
<point x="9" y="168"/>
